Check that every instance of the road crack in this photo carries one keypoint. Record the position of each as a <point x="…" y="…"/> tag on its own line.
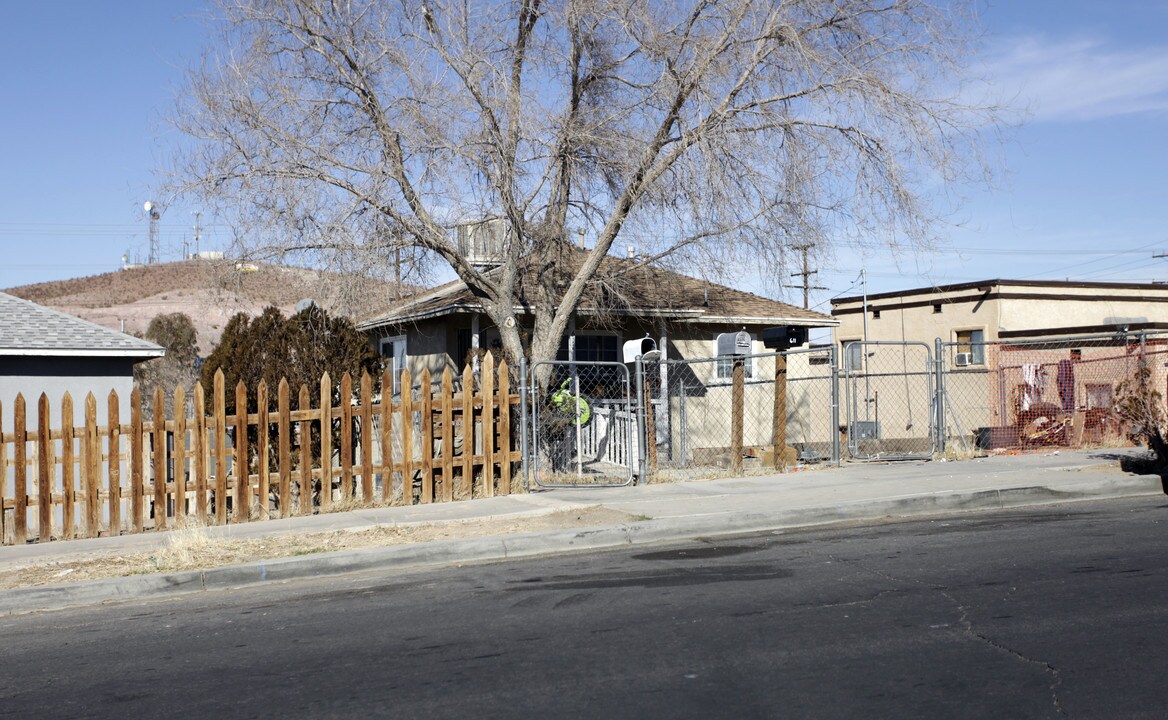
<point x="1051" y="671"/>
<point x="967" y="626"/>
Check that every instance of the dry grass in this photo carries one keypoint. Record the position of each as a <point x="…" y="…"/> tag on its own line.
<point x="194" y="547"/>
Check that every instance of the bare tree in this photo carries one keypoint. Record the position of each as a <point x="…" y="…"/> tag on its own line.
<point x="359" y="133"/>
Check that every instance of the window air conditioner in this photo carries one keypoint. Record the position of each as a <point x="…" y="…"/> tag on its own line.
<point x="963" y="359"/>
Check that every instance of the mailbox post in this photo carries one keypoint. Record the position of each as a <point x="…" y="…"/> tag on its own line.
<point x="736" y="346"/>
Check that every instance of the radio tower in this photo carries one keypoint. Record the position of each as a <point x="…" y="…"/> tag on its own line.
<point x="154" y="212"/>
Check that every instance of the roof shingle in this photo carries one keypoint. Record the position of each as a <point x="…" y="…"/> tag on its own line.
<point x="640" y="290"/>
<point x="30" y="329"/>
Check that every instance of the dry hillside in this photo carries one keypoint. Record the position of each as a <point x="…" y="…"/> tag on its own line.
<point x="209" y="292"/>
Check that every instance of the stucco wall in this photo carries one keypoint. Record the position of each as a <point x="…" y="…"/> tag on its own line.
<point x="1019" y="308"/>
<point x="921" y="324"/>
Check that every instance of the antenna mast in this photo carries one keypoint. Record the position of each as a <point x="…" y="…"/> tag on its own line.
<point x="154" y="212"/>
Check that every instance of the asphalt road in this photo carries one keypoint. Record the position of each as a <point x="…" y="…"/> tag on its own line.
<point x="1052" y="612"/>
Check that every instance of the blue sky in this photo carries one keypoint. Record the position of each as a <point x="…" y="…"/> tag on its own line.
<point x="85" y="86"/>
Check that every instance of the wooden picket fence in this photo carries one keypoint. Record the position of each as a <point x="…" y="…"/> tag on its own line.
<point x="61" y="482"/>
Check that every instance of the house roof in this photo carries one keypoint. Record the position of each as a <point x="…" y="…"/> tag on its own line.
<point x="626" y="288"/>
<point x="982" y="285"/>
<point x="30" y="329"/>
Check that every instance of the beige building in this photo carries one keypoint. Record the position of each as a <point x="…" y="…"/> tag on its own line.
<point x="1007" y="310"/>
<point x="1027" y="362"/>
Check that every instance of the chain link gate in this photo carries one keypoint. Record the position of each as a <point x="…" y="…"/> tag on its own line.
<point x="698" y="422"/>
<point x="584" y="425"/>
<point x="889" y="400"/>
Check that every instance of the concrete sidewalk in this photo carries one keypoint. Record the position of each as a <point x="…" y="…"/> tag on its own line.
<point x="665" y="512"/>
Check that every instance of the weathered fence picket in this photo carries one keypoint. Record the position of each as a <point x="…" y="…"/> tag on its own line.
<point x="263" y="427"/>
<point x="386" y="439"/>
<point x="284" y="457"/>
<point x="219" y="427"/>
<point x="366" y="406"/>
<point x="158" y="467"/>
<point x="92" y="469"/>
<point x="44" y="444"/>
<point x="346" y="409"/>
<point x="467" y="432"/>
<point x="68" y="467"/>
<point x="137" y="484"/>
<point x="488" y="426"/>
<point x="114" y="460"/>
<point x="240" y="457"/>
<point x="20" y="466"/>
<point x="447" y="402"/>
<point x="201" y="449"/>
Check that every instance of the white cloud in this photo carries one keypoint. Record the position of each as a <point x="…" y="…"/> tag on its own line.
<point x="1076" y="79"/>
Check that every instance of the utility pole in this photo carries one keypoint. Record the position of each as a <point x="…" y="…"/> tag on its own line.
<point x="806" y="275"/>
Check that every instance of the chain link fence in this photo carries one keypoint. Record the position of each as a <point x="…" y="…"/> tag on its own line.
<point x="873" y="401"/>
<point x="701" y="420"/>
<point x="1058" y="392"/>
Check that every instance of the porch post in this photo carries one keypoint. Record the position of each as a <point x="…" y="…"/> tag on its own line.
<point x="474" y="342"/>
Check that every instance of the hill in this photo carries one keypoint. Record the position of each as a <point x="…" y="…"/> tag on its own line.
<point x="210" y="292"/>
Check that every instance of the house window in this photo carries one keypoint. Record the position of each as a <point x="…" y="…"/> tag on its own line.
<point x="875" y="314"/>
<point x="972" y="342"/>
<point x="724" y="366"/>
<point x="936" y="308"/>
<point x="592" y="348"/>
<point x="393" y="349"/>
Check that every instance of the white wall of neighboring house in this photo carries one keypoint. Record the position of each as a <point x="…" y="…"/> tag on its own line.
<point x="54" y="376"/>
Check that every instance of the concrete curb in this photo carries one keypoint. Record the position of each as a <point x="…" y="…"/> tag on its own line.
<point x="498" y="548"/>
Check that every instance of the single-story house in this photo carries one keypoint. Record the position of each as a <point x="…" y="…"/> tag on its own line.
<point x="47" y="351"/>
<point x="629" y="300"/>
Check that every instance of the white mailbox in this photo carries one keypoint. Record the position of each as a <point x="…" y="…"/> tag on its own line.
<point x="635" y="348"/>
<point x="734" y="343"/>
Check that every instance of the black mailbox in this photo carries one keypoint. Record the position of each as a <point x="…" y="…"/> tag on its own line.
<point x="783" y="338"/>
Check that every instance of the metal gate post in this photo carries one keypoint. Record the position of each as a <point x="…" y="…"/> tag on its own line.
<point x="835" y="408"/>
<point x="683" y="426"/>
<point x="523" y="429"/>
<point x="939" y="400"/>
<point x="642" y="426"/>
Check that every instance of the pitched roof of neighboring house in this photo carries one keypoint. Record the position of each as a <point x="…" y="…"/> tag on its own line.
<point x="30" y="329"/>
<point x="641" y="291"/>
